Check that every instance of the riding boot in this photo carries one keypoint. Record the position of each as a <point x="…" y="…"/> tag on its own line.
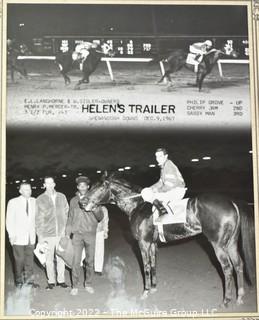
<point x="197" y="57"/>
<point x="160" y="208"/>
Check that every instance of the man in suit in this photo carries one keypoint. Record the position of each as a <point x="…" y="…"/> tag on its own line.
<point x="20" y="225"/>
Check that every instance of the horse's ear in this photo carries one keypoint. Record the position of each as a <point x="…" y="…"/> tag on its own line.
<point x="106" y="183"/>
<point x="104" y="175"/>
<point x="112" y="175"/>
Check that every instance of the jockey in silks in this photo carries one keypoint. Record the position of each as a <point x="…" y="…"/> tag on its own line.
<point x="200" y="49"/>
<point x="170" y="187"/>
<point x="82" y="51"/>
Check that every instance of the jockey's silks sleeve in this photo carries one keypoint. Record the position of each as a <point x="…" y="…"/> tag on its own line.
<point x="170" y="178"/>
<point x="198" y="48"/>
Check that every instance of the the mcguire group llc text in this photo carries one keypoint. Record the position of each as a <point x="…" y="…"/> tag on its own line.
<point x="131" y="108"/>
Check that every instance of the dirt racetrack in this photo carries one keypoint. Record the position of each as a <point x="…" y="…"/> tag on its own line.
<point x="133" y="76"/>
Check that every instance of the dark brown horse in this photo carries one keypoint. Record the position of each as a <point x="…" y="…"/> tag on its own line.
<point x="219" y="218"/>
<point x="177" y="60"/>
<point x="13" y="63"/>
<point x="66" y="63"/>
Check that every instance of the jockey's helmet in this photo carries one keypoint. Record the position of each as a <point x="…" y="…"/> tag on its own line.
<point x="208" y="43"/>
<point x="96" y="42"/>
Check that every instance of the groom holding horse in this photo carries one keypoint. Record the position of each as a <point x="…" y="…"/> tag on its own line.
<point x="170" y="187"/>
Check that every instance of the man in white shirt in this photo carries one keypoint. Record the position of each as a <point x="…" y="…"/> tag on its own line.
<point x="20" y="225"/>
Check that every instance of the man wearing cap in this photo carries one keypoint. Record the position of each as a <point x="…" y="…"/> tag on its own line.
<point x="51" y="219"/>
<point x="20" y="225"/>
<point x="82" y="225"/>
<point x="170" y="187"/>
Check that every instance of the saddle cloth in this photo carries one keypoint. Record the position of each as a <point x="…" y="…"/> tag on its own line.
<point x="191" y="59"/>
<point x="176" y="213"/>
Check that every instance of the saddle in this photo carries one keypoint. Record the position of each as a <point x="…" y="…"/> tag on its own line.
<point x="193" y="59"/>
<point x="176" y="213"/>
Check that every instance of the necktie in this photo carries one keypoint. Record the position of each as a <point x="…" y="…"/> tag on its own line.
<point x="27" y="207"/>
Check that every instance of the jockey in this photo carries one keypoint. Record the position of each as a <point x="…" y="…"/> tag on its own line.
<point x="82" y="51"/>
<point x="200" y="49"/>
<point x="170" y="187"/>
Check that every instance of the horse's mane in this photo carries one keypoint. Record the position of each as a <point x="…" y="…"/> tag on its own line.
<point x="116" y="178"/>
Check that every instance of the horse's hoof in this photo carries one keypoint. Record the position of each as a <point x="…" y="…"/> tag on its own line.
<point x="153" y="290"/>
<point x="240" y="301"/>
<point x="225" y="303"/>
<point x="144" y="295"/>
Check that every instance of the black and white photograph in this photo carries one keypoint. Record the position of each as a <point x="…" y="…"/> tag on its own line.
<point x="129" y="160"/>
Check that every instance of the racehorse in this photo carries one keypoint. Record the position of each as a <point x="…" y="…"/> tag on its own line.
<point x="177" y="60"/>
<point x="219" y="218"/>
<point x="66" y="63"/>
<point x="12" y="60"/>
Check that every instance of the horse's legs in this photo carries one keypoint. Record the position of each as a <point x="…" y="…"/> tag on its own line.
<point x="85" y="79"/>
<point x="145" y="249"/>
<point x="17" y="69"/>
<point x="239" y="269"/>
<point x="153" y="258"/>
<point x="24" y="70"/>
<point x="227" y="269"/>
<point x="66" y="77"/>
<point x="200" y="78"/>
<point x="166" y="75"/>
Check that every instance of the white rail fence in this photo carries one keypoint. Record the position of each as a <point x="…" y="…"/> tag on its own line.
<point x="162" y="68"/>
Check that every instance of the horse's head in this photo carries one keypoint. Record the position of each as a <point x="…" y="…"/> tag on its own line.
<point x="230" y="51"/>
<point x="99" y="194"/>
<point x="107" y="50"/>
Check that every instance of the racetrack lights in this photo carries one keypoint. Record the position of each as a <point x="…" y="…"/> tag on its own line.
<point x="250" y="151"/>
<point x="206" y="158"/>
<point x="195" y="160"/>
<point x="17" y="181"/>
<point x="127" y="168"/>
<point x="152" y="166"/>
<point x="64" y="176"/>
<point x="121" y="169"/>
<point x="98" y="171"/>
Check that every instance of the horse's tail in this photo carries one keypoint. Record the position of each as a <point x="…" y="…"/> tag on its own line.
<point x="247" y="239"/>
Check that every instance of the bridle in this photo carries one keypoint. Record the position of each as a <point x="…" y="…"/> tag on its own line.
<point x="111" y="195"/>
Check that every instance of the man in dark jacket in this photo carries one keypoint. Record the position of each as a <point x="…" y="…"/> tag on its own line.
<point x="82" y="224"/>
<point x="51" y="219"/>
